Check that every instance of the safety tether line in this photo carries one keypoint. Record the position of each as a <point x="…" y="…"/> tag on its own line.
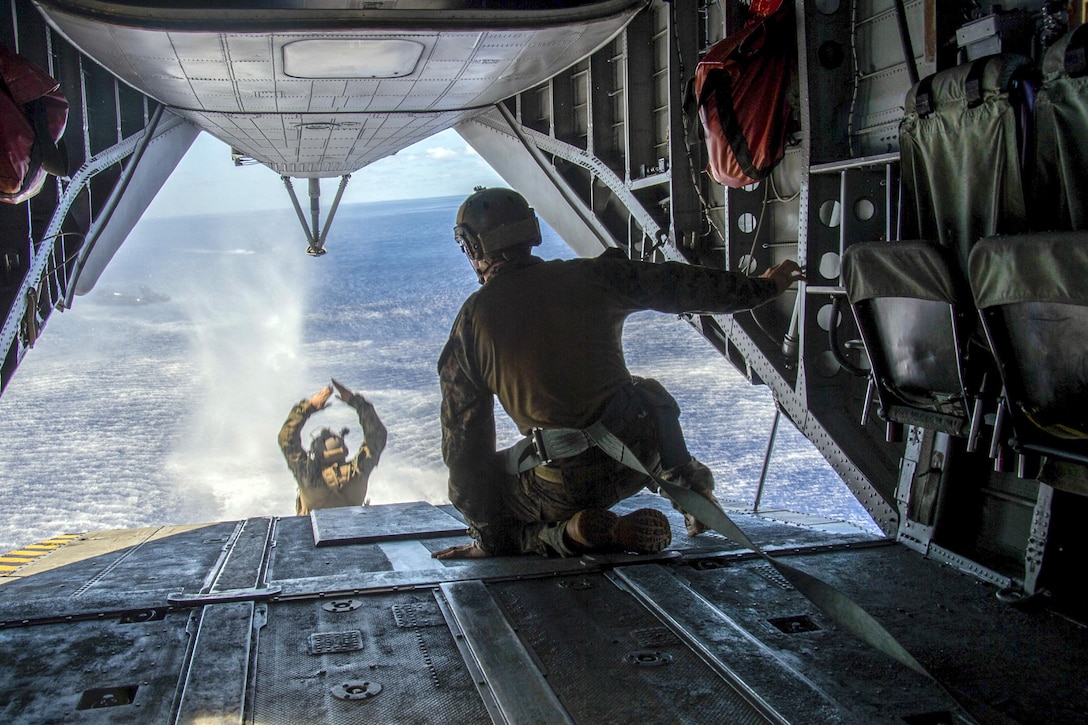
<point x="566" y="442"/>
<point x="843" y="610"/>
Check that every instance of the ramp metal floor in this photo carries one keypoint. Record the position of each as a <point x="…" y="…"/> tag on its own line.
<point x="344" y="616"/>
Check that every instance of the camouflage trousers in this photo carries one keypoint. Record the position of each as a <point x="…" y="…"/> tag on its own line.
<point x="542" y="500"/>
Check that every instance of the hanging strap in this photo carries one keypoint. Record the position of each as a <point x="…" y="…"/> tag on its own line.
<point x="836" y="605"/>
<point x="544" y="446"/>
<point x="54" y="153"/>
<point x="547" y="445"/>
<point x="844" y="611"/>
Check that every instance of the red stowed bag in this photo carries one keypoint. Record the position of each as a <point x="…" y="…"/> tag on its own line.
<point x="763" y="8"/>
<point x="33" y="114"/>
<point x="742" y="88"/>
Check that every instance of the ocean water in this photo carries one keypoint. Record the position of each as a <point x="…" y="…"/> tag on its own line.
<point x="158" y="397"/>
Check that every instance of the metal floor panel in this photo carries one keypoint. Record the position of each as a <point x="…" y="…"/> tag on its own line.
<point x="744" y="636"/>
<point x="181" y="560"/>
<point x="990" y="656"/>
<point x="139" y="578"/>
<point x="739" y="654"/>
<point x="365" y="524"/>
<point x="214" y="683"/>
<point x="392" y="653"/>
<point x="244" y="563"/>
<point x="380" y="631"/>
<point x="92" y="672"/>
<point x="295" y="556"/>
<point x="593" y="640"/>
<point x="516" y="687"/>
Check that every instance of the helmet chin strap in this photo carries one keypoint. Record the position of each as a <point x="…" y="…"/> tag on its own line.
<point x="486" y="265"/>
<point x="483" y="268"/>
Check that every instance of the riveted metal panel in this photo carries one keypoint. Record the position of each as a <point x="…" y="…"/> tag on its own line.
<point x="402" y="664"/>
<point x="507" y="670"/>
<point x="592" y="640"/>
<point x="132" y="575"/>
<point x="295" y="556"/>
<point x="915" y="600"/>
<point x="243" y="564"/>
<point x="215" y="681"/>
<point x="116" y="670"/>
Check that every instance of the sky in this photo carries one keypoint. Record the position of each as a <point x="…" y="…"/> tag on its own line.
<point x="206" y="181"/>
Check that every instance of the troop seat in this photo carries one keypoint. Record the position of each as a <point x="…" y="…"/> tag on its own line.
<point x="962" y="144"/>
<point x="915" y="315"/>
<point x="1060" y="183"/>
<point x="1032" y="293"/>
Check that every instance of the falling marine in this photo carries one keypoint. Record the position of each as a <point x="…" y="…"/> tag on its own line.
<point x="932" y="181"/>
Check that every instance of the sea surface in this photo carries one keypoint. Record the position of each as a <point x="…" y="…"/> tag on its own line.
<point x="157" y="398"/>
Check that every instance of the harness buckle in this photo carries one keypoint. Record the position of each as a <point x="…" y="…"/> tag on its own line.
<point x="538" y="445"/>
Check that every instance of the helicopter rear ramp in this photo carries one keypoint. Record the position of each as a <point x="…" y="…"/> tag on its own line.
<point x="344" y="615"/>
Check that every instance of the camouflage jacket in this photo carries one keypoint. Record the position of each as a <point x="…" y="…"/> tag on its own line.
<point x="546" y="338"/>
<point x="313" y="490"/>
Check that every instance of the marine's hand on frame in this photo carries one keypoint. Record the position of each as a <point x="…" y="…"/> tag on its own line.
<point x="784" y="274"/>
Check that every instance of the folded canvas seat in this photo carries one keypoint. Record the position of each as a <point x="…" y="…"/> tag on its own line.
<point x="914" y="313"/>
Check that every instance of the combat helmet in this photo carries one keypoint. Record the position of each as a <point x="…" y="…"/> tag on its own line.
<point x="328" y="447"/>
<point x="491" y="222"/>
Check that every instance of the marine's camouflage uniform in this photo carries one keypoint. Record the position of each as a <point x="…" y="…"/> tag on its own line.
<point x="349" y="485"/>
<point x="546" y="338"/>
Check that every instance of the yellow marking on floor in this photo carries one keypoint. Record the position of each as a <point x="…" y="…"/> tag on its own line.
<point x="32" y="552"/>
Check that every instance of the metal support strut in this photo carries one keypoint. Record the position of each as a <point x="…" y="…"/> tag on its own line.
<point x="315" y="234"/>
<point x="767" y="459"/>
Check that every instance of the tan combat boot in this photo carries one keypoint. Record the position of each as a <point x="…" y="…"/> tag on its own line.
<point x="645" y="531"/>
